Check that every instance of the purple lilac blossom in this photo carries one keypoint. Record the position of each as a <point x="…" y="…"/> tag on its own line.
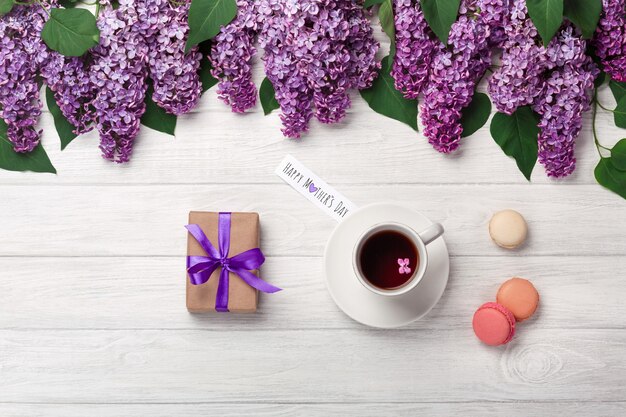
<point x="567" y="94"/>
<point x="22" y="56"/>
<point x="314" y="52"/>
<point x="519" y="80"/>
<point x="455" y="71"/>
<point x="415" y="46"/>
<point x="177" y="86"/>
<point x="74" y="91"/>
<point x="495" y="13"/>
<point x="610" y="39"/>
<point x="119" y="73"/>
<point x="231" y="56"/>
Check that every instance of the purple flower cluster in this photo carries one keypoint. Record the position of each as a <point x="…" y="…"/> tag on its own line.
<point x="314" y="52"/>
<point x="556" y="81"/>
<point x="610" y="38"/>
<point x="22" y="56"/>
<point x="177" y="86"/>
<point x="231" y="56"/>
<point x="454" y="73"/>
<point x="415" y="46"/>
<point x="519" y="80"/>
<point x="566" y="95"/>
<point x="119" y="76"/>
<point x="495" y="14"/>
<point x="74" y="92"/>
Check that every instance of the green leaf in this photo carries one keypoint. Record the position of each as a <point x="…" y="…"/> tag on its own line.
<point x="517" y="136"/>
<point x="440" y="15"/>
<point x="385" y="15"/>
<point x="65" y="129"/>
<point x="36" y="161"/>
<point x="547" y="15"/>
<point x="369" y="3"/>
<point x="206" y="77"/>
<point x="618" y="89"/>
<point x="383" y="98"/>
<point x="610" y="177"/>
<point x="68" y="4"/>
<point x="155" y="117"/>
<point x="267" y="96"/>
<point x="476" y="114"/>
<point x="618" y="155"/>
<point x="619" y="113"/>
<point x="5" y="6"/>
<point x="600" y="79"/>
<point x="206" y="17"/>
<point x="71" y="31"/>
<point x="584" y="14"/>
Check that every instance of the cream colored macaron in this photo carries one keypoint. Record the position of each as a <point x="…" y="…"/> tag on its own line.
<point x="508" y="229"/>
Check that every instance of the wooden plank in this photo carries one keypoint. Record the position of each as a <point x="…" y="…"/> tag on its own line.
<point x="148" y="220"/>
<point x="483" y="409"/>
<point x="312" y="366"/>
<point x="148" y="293"/>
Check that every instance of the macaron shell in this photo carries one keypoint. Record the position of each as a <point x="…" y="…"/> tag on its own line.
<point x="493" y="324"/>
<point x="508" y="229"/>
<point x="520" y="296"/>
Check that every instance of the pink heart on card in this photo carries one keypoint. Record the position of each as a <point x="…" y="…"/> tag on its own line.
<point x="312" y="188"/>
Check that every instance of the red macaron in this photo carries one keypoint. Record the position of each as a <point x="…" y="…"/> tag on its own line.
<point x="494" y="324"/>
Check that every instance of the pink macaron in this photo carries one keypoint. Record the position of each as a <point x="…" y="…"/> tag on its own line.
<point x="494" y="324"/>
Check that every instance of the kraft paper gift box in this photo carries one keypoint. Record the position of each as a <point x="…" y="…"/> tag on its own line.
<point x="244" y="235"/>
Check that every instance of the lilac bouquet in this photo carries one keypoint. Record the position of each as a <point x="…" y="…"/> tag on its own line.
<point x="315" y="51"/>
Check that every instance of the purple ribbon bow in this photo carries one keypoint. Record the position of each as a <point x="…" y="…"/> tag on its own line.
<point x="200" y="268"/>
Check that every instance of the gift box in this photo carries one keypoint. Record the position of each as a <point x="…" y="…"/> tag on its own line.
<point x="223" y="258"/>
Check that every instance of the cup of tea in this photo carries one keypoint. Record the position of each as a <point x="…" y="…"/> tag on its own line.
<point x="390" y="259"/>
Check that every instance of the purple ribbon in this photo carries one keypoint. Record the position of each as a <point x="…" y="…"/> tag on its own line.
<point x="200" y="268"/>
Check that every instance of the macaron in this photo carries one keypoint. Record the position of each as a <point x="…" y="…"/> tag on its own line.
<point x="519" y="296"/>
<point x="508" y="229"/>
<point x="494" y="324"/>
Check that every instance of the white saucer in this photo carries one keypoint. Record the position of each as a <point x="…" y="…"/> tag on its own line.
<point x="362" y="304"/>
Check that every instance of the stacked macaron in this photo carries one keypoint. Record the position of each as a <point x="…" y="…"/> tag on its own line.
<point x="494" y="323"/>
<point x="517" y="298"/>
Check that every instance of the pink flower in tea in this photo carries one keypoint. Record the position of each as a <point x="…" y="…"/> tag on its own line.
<point x="404" y="266"/>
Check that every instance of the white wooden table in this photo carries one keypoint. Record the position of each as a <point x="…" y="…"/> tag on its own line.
<point x="92" y="294"/>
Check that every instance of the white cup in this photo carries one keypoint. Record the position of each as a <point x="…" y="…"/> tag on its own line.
<point x="420" y="240"/>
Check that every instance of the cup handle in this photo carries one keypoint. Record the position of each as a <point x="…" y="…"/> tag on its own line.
<point x="431" y="233"/>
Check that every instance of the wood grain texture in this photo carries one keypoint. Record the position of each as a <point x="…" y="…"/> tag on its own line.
<point x="482" y="409"/>
<point x="148" y="220"/>
<point x="355" y="365"/>
<point x="149" y="293"/>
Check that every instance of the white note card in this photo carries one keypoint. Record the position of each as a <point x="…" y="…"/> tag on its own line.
<point x="314" y="188"/>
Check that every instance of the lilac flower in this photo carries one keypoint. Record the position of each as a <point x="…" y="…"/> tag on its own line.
<point x="415" y="46"/>
<point x="281" y="65"/>
<point x="567" y="94"/>
<point x="177" y="86"/>
<point x="119" y="74"/>
<point x="230" y="56"/>
<point x="73" y="91"/>
<point x="496" y="14"/>
<point x="610" y="39"/>
<point x="22" y="54"/>
<point x="455" y="71"/>
<point x="519" y="80"/>
<point x="316" y="50"/>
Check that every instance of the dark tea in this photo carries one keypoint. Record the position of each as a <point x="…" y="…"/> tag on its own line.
<point x="388" y="259"/>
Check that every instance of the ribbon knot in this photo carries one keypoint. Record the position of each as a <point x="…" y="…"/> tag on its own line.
<point x="200" y="268"/>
